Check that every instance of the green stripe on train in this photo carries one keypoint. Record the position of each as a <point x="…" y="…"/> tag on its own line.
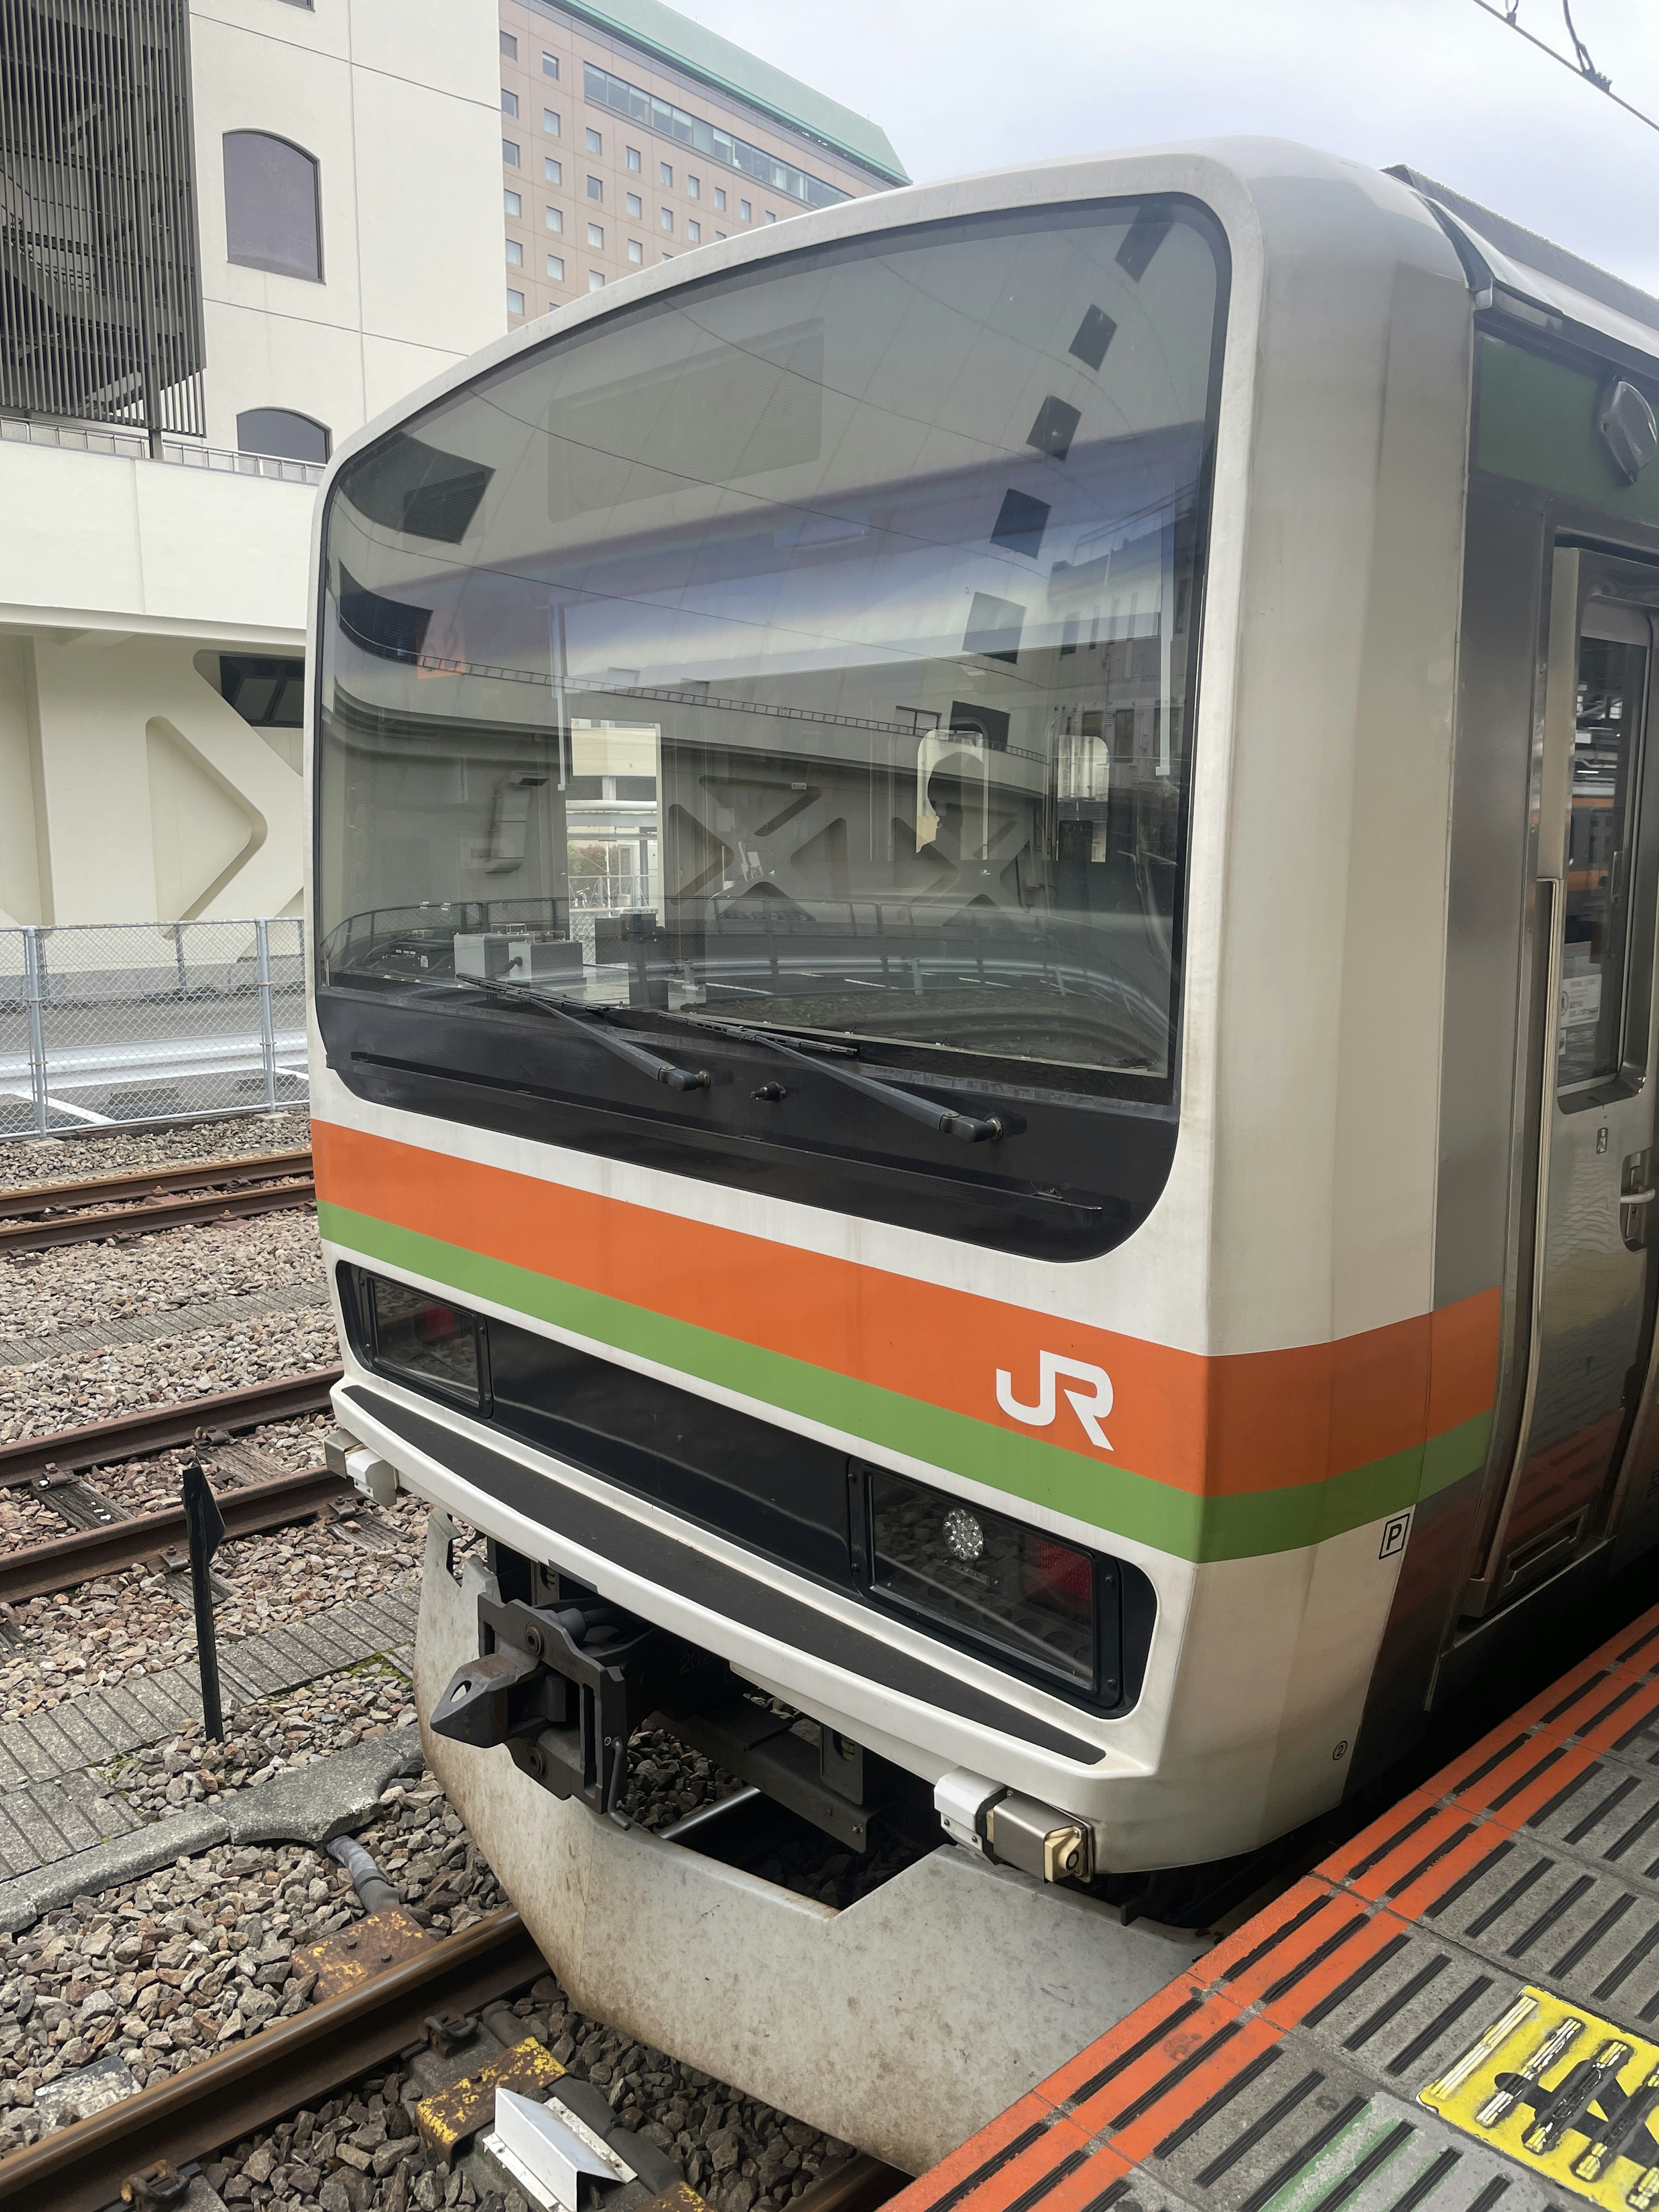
<point x="1111" y="1498"/>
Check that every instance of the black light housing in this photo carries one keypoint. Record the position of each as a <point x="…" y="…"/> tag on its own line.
<point x="1049" y="1607"/>
<point x="427" y="1338"/>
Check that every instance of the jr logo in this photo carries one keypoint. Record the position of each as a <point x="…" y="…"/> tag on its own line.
<point x="1090" y="1405"/>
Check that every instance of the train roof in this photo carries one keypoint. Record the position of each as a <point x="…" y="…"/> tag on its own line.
<point x="1513" y="271"/>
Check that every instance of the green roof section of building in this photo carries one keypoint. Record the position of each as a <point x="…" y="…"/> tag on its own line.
<point x="668" y="36"/>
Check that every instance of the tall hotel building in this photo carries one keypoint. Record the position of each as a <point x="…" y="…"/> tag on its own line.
<point x="631" y="134"/>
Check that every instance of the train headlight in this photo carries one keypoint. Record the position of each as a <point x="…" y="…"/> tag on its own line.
<point x="965" y="1535"/>
<point x="989" y="1576"/>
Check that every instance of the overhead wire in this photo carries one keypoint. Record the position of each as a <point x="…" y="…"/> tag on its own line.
<point x="1578" y="62"/>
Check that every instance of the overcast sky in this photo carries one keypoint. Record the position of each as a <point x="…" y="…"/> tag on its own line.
<point x="960" y="85"/>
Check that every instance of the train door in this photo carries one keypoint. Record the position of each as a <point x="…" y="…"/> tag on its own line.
<point x="1595" y="1272"/>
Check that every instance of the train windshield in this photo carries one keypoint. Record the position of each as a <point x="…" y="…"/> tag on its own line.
<point x="811" y="647"/>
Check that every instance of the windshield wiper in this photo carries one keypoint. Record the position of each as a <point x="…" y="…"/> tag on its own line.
<point x="945" y="1121"/>
<point x="591" y="1021"/>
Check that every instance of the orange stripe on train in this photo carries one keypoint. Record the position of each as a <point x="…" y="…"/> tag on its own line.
<point x="1215" y="1426"/>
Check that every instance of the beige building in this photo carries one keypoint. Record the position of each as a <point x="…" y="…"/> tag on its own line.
<point x="631" y="134"/>
<point x="286" y="220"/>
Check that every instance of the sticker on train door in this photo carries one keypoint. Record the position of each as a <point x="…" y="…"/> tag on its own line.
<point x="1571" y="2095"/>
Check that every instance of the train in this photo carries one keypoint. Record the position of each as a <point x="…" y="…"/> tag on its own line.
<point x="984" y="894"/>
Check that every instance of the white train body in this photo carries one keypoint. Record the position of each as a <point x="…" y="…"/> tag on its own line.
<point x="1209" y="787"/>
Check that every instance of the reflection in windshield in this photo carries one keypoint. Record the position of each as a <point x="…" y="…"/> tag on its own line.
<point x="809" y="648"/>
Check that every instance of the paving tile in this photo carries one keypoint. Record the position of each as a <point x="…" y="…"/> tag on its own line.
<point x="12" y="1776"/>
<point x="78" y="1831"/>
<point x="35" y="1752"/>
<point x="321" y="1649"/>
<point x="252" y="1662"/>
<point x="127" y="1719"/>
<point x="41" y="1835"/>
<point x="81" y="1719"/>
<point x="291" y="1659"/>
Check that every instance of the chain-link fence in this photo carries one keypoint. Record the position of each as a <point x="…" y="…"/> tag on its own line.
<point x="113" y="1022"/>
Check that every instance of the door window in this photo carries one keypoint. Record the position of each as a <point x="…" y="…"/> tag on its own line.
<point x="1596" y="913"/>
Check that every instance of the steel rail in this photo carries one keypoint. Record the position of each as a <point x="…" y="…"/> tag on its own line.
<point x="138" y="1183"/>
<point x="79" y="2168"/>
<point x="144" y="1219"/>
<point x="64" y="1561"/>
<point x="99" y="1443"/>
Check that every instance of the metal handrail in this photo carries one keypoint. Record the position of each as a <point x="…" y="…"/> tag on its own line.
<point x="132" y="445"/>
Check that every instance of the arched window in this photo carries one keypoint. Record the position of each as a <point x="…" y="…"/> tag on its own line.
<point x="272" y="214"/>
<point x="278" y="430"/>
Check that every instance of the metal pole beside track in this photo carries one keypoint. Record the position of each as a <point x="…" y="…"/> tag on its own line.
<point x="33" y="967"/>
<point x="206" y="1525"/>
<point x="267" y="1024"/>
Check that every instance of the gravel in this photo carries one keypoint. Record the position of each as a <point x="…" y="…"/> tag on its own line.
<point x="161" y="1972"/>
<point x="137" y="1622"/>
<point x="274" y="1736"/>
<point x="24" y="1162"/>
<point x="70" y="1286"/>
<point x="47" y="1394"/>
<point x="165" y="1971"/>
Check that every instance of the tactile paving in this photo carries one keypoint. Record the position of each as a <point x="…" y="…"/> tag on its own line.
<point x="1285" y="2071"/>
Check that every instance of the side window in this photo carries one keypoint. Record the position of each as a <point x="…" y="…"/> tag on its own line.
<point x="279" y="431"/>
<point x="1606" y="963"/>
<point x="272" y="213"/>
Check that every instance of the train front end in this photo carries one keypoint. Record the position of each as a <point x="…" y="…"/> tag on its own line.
<point x="846" y="811"/>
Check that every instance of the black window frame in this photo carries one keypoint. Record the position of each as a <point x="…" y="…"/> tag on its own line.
<point x="294" y="415"/>
<point x="1043" y="1217"/>
<point x="272" y="267"/>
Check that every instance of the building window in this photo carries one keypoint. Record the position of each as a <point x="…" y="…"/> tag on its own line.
<point x="551" y="123"/>
<point x="595" y="144"/>
<point x="596" y="236"/>
<point x="667" y="218"/>
<point x="549" y="64"/>
<point x="719" y="199"/>
<point x="515" y="254"/>
<point x="595" y="281"/>
<point x="694" y="233"/>
<point x="664" y="173"/>
<point x="770" y="216"/>
<point x="693" y="188"/>
<point x="509" y="46"/>
<point x="555" y="219"/>
<point x="634" y="207"/>
<point x="556" y="268"/>
<point x="279" y="431"/>
<point x="512" y="203"/>
<point x="668" y="257"/>
<point x="699" y="136"/>
<point x="596" y="188"/>
<point x="746" y="212"/>
<point x="509" y="102"/>
<point x="636" y="250"/>
<point x="634" y="157"/>
<point x="273" y="218"/>
<point x="509" y="154"/>
<point x="719" y="234"/>
<point x="552" y="171"/>
<point x="514" y="303"/>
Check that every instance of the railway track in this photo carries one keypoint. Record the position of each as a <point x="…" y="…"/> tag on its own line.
<point x="134" y="2150"/>
<point x="139" y="1202"/>
<point x="106" y="1535"/>
<point x="62" y="1562"/>
<point x="158" y="1428"/>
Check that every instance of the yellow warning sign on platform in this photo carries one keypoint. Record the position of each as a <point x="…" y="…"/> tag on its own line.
<point x="1574" y="2097"/>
